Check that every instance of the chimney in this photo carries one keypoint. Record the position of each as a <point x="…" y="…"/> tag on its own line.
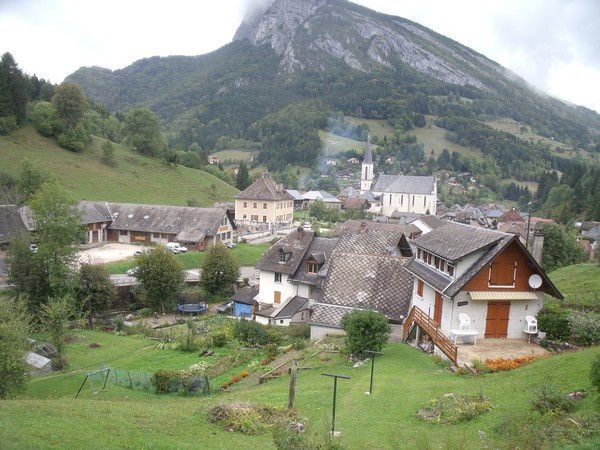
<point x="363" y="227"/>
<point x="536" y="245"/>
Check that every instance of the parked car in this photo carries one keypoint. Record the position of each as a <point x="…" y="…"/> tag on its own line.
<point x="176" y="247"/>
<point x="224" y="307"/>
<point x="131" y="272"/>
<point x="33" y="248"/>
<point x="138" y="253"/>
<point x="231" y="245"/>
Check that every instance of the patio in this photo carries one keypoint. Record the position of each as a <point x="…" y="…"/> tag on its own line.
<point x="498" y="348"/>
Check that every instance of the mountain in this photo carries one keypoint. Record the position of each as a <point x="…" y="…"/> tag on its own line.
<point x="333" y="56"/>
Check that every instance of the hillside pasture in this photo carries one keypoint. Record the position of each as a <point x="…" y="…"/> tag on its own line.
<point x="236" y="155"/>
<point x="377" y="127"/>
<point x="332" y="144"/>
<point x="434" y="138"/>
<point x="580" y="284"/>
<point x="135" y="178"/>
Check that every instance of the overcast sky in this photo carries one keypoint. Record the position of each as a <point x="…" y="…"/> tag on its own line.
<point x="554" y="44"/>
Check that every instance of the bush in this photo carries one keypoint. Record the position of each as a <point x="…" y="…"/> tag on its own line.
<point x="247" y="418"/>
<point x="146" y="312"/>
<point x="73" y="138"/>
<point x="365" y="330"/>
<point x="301" y="331"/>
<point x="8" y="124"/>
<point x="455" y="408"/>
<point x="554" y="321"/>
<point x="548" y="398"/>
<point x="220" y="339"/>
<point x="166" y="381"/>
<point x="108" y="154"/>
<point x="585" y="328"/>
<point x="43" y="118"/>
<point x="251" y="333"/>
<point x="595" y="372"/>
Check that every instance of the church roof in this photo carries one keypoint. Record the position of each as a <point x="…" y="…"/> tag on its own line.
<point x="404" y="184"/>
<point x="368" y="159"/>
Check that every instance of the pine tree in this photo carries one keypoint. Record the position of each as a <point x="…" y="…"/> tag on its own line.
<point x="243" y="180"/>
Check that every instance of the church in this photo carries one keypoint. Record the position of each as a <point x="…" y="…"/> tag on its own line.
<point x="397" y="193"/>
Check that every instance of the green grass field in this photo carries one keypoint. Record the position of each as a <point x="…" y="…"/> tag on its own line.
<point x="580" y="284"/>
<point x="246" y="254"/>
<point x="47" y="416"/>
<point x="136" y="178"/>
<point x="379" y="128"/>
<point x="235" y="154"/>
<point x="332" y="144"/>
<point x="434" y="138"/>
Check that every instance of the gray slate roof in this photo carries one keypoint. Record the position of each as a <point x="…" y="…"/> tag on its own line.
<point x="293" y="306"/>
<point x="369" y="282"/>
<point x="294" y="245"/>
<point x="320" y="249"/>
<point x="368" y="158"/>
<point x="245" y="295"/>
<point x="296" y="195"/>
<point x="327" y="315"/>
<point x="429" y="275"/>
<point x="432" y="221"/>
<point x="455" y="241"/>
<point x="11" y="223"/>
<point x="324" y="196"/>
<point x="94" y="212"/>
<point x="404" y="184"/>
<point x="264" y="189"/>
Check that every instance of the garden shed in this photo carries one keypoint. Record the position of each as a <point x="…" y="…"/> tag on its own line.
<point x="38" y="364"/>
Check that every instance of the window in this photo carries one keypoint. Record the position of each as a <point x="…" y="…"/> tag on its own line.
<point x="264" y="218"/>
<point x="277" y="277"/>
<point x="254" y="205"/>
<point x="282" y="256"/>
<point x="424" y="201"/>
<point x="437" y="262"/>
<point x="429" y="258"/>
<point x="402" y="200"/>
<point x="390" y="200"/>
<point x="312" y="267"/>
<point x="224" y="222"/>
<point x="450" y="270"/>
<point x="245" y="204"/>
<point x="418" y="253"/>
<point x="264" y="206"/>
<point x="413" y="200"/>
<point x="229" y="235"/>
<point x="254" y="218"/>
<point x="420" y="286"/>
<point x="245" y="216"/>
<point x="503" y="273"/>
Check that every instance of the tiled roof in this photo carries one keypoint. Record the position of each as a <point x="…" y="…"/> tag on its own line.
<point x="432" y="221"/>
<point x="245" y="295"/>
<point x="294" y="246"/>
<point x="328" y="315"/>
<point x="369" y="282"/>
<point x="454" y="241"/>
<point x="320" y="249"/>
<point x="404" y="184"/>
<point x="11" y="223"/>
<point x="320" y="195"/>
<point x="512" y="215"/>
<point x="264" y="189"/>
<point x="296" y="195"/>
<point x="93" y="212"/>
<point x="373" y="242"/>
<point x="429" y="275"/>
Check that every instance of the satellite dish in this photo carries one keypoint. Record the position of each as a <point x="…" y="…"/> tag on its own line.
<point x="535" y="281"/>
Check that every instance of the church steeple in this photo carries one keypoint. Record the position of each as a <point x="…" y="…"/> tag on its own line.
<point x="366" y="178"/>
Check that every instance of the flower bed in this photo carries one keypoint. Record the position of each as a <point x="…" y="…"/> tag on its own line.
<point x="500" y="364"/>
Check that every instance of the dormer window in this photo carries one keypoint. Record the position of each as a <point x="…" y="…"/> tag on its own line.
<point x="282" y="255"/>
<point x="312" y="267"/>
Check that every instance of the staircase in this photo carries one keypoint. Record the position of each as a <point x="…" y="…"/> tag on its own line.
<point x="430" y="327"/>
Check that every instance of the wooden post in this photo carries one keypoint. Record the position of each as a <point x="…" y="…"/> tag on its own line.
<point x="418" y="335"/>
<point x="292" y="394"/>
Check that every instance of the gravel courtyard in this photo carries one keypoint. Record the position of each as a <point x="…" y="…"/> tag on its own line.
<point x="108" y="253"/>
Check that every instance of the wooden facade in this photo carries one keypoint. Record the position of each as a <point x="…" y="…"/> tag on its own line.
<point x="510" y="265"/>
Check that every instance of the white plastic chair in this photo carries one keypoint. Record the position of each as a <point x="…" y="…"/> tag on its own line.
<point x="464" y="322"/>
<point x="464" y="329"/>
<point x="530" y="327"/>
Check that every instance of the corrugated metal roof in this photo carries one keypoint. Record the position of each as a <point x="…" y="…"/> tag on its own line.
<point x="503" y="295"/>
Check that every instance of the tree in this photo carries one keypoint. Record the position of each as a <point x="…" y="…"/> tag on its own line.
<point x="559" y="204"/>
<point x="560" y="248"/>
<point x="13" y="89"/>
<point x="108" y="154"/>
<point x="55" y="320"/>
<point x="242" y="180"/>
<point x="220" y="270"/>
<point x="365" y="330"/>
<point x="161" y="277"/>
<point x="142" y="128"/>
<point x="31" y="178"/>
<point x="43" y="118"/>
<point x="14" y="331"/>
<point x="94" y="291"/>
<point x="70" y="103"/>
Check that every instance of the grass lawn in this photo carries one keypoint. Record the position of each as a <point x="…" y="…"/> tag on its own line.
<point x="135" y="179"/>
<point x="434" y="138"/>
<point x="377" y="127"/>
<point x="236" y="154"/>
<point x="333" y="144"/>
<point x="580" y="284"/>
<point x="246" y="254"/>
<point x="47" y="416"/>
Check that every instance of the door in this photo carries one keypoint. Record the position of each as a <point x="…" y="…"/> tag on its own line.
<point x="95" y="236"/>
<point x="277" y="299"/>
<point x="437" y="311"/>
<point x="496" y="322"/>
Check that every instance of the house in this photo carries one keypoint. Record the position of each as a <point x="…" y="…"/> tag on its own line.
<point x="264" y="201"/>
<point x="366" y="272"/>
<point x="353" y="161"/>
<point x="299" y="201"/>
<point x="145" y="224"/>
<point x="331" y="162"/>
<point x="214" y="159"/>
<point x="292" y="272"/>
<point x="425" y="224"/>
<point x="512" y="215"/>
<point x="330" y="201"/>
<point x="486" y="274"/>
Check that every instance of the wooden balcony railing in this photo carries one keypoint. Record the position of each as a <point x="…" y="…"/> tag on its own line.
<point x="430" y="327"/>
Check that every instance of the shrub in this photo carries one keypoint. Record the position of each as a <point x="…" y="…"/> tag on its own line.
<point x="244" y="374"/>
<point x="365" y="330"/>
<point x="585" y="327"/>
<point x="146" y="312"/>
<point x="452" y="408"/>
<point x="220" y="339"/>
<point x="299" y="344"/>
<point x="548" y="398"/>
<point x="108" y="154"/>
<point x="8" y="124"/>
<point x="188" y="342"/>
<point x="479" y="366"/>
<point x="554" y="321"/>
<point x="166" y="381"/>
<point x="299" y="331"/>
<point x="73" y="138"/>
<point x="272" y="351"/>
<point x="595" y="372"/>
<point x="247" y="418"/>
<point x="251" y="333"/>
<point x="43" y="118"/>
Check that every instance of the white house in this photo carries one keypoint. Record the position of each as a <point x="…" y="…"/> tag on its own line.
<point x="488" y="275"/>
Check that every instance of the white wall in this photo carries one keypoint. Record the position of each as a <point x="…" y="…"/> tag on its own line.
<point x="267" y="288"/>
<point x="404" y="203"/>
<point x="319" y="332"/>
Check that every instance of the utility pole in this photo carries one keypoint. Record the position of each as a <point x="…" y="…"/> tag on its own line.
<point x="528" y="226"/>
<point x="372" y="353"/>
<point x="335" y="378"/>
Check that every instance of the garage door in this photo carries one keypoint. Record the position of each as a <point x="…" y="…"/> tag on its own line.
<point x="496" y="322"/>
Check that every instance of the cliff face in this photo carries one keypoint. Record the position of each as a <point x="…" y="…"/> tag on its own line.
<point x="308" y="34"/>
